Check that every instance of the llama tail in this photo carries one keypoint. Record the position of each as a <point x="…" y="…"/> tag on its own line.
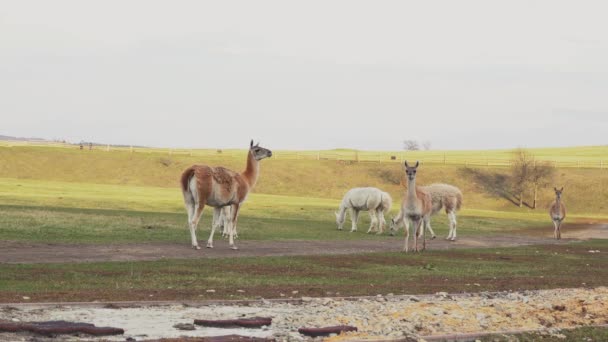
<point x="458" y="200"/>
<point x="185" y="185"/>
<point x="185" y="180"/>
<point x="387" y="202"/>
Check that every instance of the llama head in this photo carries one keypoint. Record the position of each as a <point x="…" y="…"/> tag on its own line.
<point x="258" y="152"/>
<point x="558" y="193"/>
<point x="393" y="228"/>
<point x="410" y="171"/>
<point x="340" y="220"/>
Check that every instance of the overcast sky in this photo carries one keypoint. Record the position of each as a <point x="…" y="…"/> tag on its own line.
<point x="307" y="74"/>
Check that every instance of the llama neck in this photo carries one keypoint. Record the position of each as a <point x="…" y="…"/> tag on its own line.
<point x="411" y="190"/>
<point x="252" y="171"/>
<point x="342" y="212"/>
<point x="558" y="202"/>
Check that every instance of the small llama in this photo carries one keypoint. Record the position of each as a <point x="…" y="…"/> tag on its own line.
<point x="557" y="212"/>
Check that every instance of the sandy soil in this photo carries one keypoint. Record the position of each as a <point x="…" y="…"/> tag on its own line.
<point x="23" y="252"/>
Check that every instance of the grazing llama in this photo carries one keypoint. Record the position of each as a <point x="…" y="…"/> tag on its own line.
<point x="442" y="196"/>
<point x="219" y="187"/>
<point x="416" y="208"/>
<point x="374" y="200"/>
<point x="557" y="212"/>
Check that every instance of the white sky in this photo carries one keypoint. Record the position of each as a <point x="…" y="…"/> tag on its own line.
<point x="306" y="74"/>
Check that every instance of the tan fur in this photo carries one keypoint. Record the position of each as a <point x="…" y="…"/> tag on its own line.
<point x="444" y="196"/>
<point x="219" y="187"/>
<point x="557" y="211"/>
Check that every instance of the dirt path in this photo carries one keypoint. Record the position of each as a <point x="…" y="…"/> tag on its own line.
<point x="23" y="252"/>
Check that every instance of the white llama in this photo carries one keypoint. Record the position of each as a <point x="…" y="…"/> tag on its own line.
<point x="374" y="200"/>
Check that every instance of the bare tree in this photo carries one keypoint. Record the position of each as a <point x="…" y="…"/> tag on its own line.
<point x="542" y="174"/>
<point x="522" y="163"/>
<point x="411" y="145"/>
<point x="527" y="172"/>
<point x="426" y="145"/>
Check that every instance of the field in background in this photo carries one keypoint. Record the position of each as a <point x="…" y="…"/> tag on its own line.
<point x="484" y="188"/>
<point x="565" y="157"/>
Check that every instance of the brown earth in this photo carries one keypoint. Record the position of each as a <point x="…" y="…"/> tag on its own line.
<point x="24" y="252"/>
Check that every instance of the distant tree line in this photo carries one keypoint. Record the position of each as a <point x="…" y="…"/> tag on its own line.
<point x="415" y="145"/>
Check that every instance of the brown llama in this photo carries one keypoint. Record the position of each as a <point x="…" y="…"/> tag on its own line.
<point x="557" y="211"/>
<point x="219" y="187"/>
<point x="416" y="208"/>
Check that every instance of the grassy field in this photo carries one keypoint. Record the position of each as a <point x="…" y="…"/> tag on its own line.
<point x="58" y="195"/>
<point x="32" y="210"/>
<point x="534" y="267"/>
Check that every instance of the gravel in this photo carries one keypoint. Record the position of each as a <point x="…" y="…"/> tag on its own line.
<point x="380" y="316"/>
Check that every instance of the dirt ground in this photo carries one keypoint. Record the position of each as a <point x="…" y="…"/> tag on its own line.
<point x="23" y="252"/>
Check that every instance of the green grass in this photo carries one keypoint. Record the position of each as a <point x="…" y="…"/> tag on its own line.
<point x="533" y="267"/>
<point x="585" y="334"/>
<point x="47" y="211"/>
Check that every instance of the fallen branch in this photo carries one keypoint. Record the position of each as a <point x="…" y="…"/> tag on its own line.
<point x="326" y="331"/>
<point x="51" y="328"/>
<point x="255" y="322"/>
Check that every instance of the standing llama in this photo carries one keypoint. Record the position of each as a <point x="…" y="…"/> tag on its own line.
<point x="557" y="212"/>
<point x="416" y="208"/>
<point x="374" y="200"/>
<point x="219" y="187"/>
<point x="442" y="196"/>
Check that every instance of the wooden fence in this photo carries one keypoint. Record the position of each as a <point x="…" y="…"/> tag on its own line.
<point x="475" y="158"/>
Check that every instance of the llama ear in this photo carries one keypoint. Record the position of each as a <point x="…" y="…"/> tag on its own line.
<point x="562" y="189"/>
<point x="251" y="143"/>
<point x="406" y="164"/>
<point x="417" y="163"/>
<point x="258" y="144"/>
<point x="554" y="189"/>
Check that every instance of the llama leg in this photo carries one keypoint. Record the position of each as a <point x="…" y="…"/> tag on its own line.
<point x="416" y="225"/>
<point x="233" y="220"/>
<point x="374" y="221"/>
<point x="559" y="231"/>
<point x="427" y="226"/>
<point x="194" y="223"/>
<point x="381" y="221"/>
<point x="407" y="236"/>
<point x="555" y="229"/>
<point x="354" y="218"/>
<point x="452" y="218"/>
<point x="216" y="223"/>
<point x="423" y="235"/>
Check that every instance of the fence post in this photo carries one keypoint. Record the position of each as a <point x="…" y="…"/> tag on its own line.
<point x="108" y="147"/>
<point x="131" y="148"/>
<point x="601" y="164"/>
<point x="318" y="155"/>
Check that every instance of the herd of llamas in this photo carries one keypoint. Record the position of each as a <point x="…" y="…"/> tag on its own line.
<point x="226" y="190"/>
